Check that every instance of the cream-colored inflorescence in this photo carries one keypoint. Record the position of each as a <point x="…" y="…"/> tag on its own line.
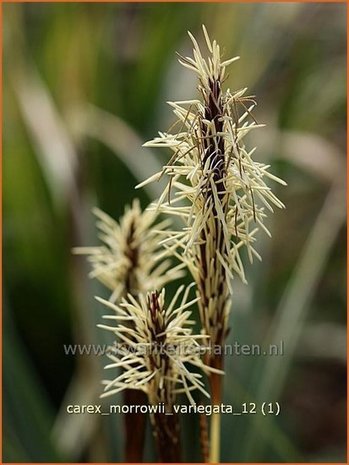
<point x="126" y="262"/>
<point x="157" y="349"/>
<point x="216" y="186"/>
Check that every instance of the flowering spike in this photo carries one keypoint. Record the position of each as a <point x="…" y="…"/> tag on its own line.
<point x="126" y="260"/>
<point x="154" y="353"/>
<point x="222" y="190"/>
<point x="155" y="348"/>
<point x="219" y="191"/>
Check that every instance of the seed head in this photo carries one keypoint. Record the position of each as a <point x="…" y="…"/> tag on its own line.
<point x="156" y="349"/>
<point x="126" y="262"/>
<point x="217" y="188"/>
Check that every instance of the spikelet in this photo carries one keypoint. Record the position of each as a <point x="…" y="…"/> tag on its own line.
<point x="126" y="262"/>
<point x="156" y="348"/>
<point x="217" y="188"/>
<point x="157" y="353"/>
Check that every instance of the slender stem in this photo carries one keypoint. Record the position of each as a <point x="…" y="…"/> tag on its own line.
<point x="134" y="424"/>
<point x="215" y="437"/>
<point x="204" y="438"/>
<point x="167" y="437"/>
<point x="216" y="395"/>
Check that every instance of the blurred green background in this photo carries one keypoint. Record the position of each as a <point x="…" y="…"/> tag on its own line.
<point x="84" y="86"/>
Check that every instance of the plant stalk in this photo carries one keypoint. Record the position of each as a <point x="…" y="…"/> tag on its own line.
<point x="216" y="396"/>
<point x="134" y="426"/>
<point x="167" y="436"/>
<point x="204" y="438"/>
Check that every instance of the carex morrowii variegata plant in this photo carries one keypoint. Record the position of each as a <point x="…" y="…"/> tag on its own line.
<point x="222" y="196"/>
